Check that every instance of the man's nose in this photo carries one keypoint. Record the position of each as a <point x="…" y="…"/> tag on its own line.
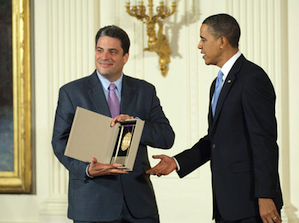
<point x="105" y="55"/>
<point x="199" y="46"/>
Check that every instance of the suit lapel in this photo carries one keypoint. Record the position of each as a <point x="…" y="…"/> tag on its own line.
<point x="97" y="95"/>
<point x="210" y="115"/>
<point x="229" y="81"/>
<point x="127" y="96"/>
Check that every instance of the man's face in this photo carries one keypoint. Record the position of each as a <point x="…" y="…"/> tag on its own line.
<point x="109" y="58"/>
<point x="209" y="46"/>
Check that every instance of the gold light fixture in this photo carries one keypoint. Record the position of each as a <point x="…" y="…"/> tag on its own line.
<point x="156" y="42"/>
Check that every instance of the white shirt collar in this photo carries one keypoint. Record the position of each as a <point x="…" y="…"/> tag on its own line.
<point x="229" y="64"/>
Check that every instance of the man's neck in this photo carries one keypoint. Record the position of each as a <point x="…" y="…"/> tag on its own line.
<point x="227" y="55"/>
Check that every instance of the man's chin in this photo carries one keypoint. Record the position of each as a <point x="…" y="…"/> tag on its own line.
<point x="104" y="71"/>
<point x="104" y="74"/>
<point x="110" y="76"/>
<point x="207" y="62"/>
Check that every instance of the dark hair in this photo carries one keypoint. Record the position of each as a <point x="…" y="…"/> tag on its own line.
<point x="224" y="25"/>
<point x="115" y="32"/>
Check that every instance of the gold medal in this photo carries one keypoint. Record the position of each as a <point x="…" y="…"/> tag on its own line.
<point x="126" y="141"/>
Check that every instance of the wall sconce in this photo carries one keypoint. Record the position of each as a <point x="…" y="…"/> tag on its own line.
<point x="156" y="42"/>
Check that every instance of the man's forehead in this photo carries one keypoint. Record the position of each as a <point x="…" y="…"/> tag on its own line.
<point x="204" y="30"/>
<point x="204" y="27"/>
<point x="109" y="40"/>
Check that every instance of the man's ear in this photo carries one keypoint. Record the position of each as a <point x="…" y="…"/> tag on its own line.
<point x="223" y="42"/>
<point x="126" y="57"/>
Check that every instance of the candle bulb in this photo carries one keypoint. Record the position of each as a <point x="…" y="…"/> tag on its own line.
<point x="127" y="1"/>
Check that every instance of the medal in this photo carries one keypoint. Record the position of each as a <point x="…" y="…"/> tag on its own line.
<point x="122" y="147"/>
<point x="126" y="140"/>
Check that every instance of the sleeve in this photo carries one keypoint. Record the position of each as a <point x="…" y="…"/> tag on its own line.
<point x="258" y="100"/>
<point x="191" y="159"/>
<point x="157" y="131"/>
<point x="63" y="121"/>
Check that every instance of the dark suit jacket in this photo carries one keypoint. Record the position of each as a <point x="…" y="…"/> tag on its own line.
<point x="101" y="198"/>
<point x="241" y="144"/>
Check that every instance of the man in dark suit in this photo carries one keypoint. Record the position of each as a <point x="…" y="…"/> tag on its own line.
<point x="241" y="140"/>
<point x="104" y="192"/>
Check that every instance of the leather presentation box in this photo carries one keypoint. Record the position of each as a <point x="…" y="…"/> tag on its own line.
<point x="92" y="136"/>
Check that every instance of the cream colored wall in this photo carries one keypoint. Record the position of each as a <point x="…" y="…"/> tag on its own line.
<point x="64" y="49"/>
<point x="292" y="79"/>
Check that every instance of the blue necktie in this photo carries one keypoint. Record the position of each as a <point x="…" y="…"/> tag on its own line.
<point x="217" y="91"/>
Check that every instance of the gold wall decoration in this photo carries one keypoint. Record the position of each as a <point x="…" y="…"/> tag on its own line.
<point x="19" y="180"/>
<point x="157" y="42"/>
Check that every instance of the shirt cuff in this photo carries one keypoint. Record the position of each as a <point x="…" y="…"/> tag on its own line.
<point x="177" y="164"/>
<point x="86" y="172"/>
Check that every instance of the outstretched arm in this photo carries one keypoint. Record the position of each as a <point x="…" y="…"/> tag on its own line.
<point x="164" y="167"/>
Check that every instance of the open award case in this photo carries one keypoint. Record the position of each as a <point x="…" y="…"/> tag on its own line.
<point x="92" y="136"/>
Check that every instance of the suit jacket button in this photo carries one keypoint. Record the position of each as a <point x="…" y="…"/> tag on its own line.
<point x="213" y="146"/>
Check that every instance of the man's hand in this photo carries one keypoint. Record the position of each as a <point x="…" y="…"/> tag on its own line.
<point x="98" y="169"/>
<point x="164" y="167"/>
<point x="268" y="211"/>
<point x="120" y="118"/>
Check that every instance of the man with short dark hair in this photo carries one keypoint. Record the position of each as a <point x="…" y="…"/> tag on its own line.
<point x="241" y="140"/>
<point x="104" y="193"/>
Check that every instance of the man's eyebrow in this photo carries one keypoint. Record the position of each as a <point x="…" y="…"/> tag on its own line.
<point x="98" y="47"/>
<point x="113" y="49"/>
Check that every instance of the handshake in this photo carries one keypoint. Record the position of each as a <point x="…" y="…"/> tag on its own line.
<point x="164" y="167"/>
